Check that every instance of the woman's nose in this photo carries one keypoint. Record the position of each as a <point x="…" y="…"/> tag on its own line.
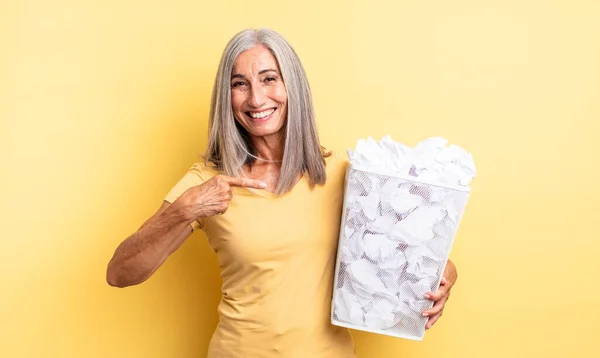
<point x="257" y="96"/>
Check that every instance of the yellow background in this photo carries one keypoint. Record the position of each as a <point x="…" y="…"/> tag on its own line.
<point x="104" y="106"/>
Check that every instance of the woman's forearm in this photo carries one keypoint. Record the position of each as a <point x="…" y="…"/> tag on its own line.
<point x="450" y="273"/>
<point x="142" y="253"/>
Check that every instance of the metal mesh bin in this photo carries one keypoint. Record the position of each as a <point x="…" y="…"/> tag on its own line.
<point x="395" y="239"/>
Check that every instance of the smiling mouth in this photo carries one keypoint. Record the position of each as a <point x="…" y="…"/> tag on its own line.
<point x="261" y="115"/>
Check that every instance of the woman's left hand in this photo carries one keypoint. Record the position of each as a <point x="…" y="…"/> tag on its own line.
<point x="440" y="296"/>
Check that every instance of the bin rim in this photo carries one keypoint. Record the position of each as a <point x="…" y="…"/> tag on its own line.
<point x="410" y="178"/>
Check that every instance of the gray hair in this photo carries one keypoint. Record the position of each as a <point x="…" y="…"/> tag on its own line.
<point x="229" y="145"/>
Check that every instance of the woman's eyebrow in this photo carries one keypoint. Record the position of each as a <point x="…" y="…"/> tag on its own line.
<point x="238" y="75"/>
<point x="268" y="70"/>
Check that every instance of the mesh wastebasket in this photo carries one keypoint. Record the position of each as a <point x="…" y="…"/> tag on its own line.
<point x="395" y="239"/>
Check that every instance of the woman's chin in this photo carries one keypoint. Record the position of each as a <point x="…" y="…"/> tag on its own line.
<point x="265" y="132"/>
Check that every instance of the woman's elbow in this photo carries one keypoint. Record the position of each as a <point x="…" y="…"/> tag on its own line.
<point x="112" y="277"/>
<point x="116" y="278"/>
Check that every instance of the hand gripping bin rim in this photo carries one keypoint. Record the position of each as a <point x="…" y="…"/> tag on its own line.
<point x="349" y="168"/>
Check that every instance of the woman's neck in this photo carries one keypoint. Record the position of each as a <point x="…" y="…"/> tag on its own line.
<point x="269" y="148"/>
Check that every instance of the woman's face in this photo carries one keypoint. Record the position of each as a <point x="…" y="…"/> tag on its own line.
<point x="258" y="94"/>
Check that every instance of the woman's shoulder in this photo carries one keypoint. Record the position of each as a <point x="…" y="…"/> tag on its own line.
<point x="334" y="157"/>
<point x="198" y="173"/>
<point x="335" y="162"/>
<point x="204" y="169"/>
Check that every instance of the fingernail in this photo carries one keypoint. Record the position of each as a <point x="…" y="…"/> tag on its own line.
<point x="425" y="314"/>
<point x="427" y="296"/>
<point x="263" y="185"/>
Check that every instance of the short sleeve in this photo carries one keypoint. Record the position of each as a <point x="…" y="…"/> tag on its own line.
<point x="336" y="168"/>
<point x="194" y="176"/>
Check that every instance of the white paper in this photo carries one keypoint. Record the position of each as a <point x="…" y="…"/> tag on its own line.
<point x="404" y="202"/>
<point x="369" y="204"/>
<point x="430" y="160"/>
<point x="365" y="280"/>
<point x="381" y="315"/>
<point x="382" y="224"/>
<point x="418" y="225"/>
<point x="354" y="247"/>
<point x="348" y="308"/>
<point x="397" y="232"/>
<point x="379" y="248"/>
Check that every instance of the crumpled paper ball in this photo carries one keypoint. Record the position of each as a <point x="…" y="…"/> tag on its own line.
<point x="430" y="160"/>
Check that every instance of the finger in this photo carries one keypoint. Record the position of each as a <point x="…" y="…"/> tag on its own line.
<point x="245" y="182"/>
<point x="228" y="195"/>
<point x="222" y="208"/>
<point x="431" y="321"/>
<point x="437" y="307"/>
<point x="446" y="283"/>
<point x="441" y="292"/>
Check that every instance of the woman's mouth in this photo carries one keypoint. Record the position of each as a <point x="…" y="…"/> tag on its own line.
<point x="261" y="116"/>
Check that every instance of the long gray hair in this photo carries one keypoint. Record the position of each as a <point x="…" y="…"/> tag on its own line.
<point x="229" y="145"/>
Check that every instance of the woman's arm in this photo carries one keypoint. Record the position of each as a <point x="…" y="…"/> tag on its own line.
<point x="440" y="297"/>
<point x="142" y="253"/>
<point x="450" y="272"/>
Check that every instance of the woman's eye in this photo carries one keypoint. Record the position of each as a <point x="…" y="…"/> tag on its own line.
<point x="238" y="84"/>
<point x="270" y="79"/>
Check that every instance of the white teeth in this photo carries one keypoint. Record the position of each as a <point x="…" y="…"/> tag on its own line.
<point x="262" y="114"/>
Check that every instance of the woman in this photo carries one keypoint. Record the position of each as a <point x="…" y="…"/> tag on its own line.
<point x="269" y="198"/>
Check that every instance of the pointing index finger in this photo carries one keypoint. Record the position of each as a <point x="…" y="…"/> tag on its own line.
<point x="246" y="183"/>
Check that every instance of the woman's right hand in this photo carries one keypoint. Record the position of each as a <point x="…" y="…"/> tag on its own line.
<point x="213" y="196"/>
